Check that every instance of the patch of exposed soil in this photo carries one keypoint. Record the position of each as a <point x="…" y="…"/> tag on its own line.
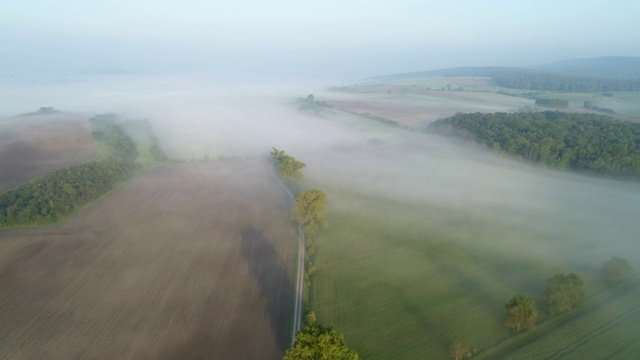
<point x="189" y="261"/>
<point x="31" y="146"/>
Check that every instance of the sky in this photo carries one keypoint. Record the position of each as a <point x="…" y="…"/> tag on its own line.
<point x="308" y="39"/>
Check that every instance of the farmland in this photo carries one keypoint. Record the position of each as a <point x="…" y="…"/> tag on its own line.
<point x="428" y="240"/>
<point x="186" y="261"/>
<point x="416" y="102"/>
<point x="605" y="329"/>
<point x="33" y="145"/>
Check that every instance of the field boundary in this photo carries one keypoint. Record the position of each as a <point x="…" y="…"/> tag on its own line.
<point x="297" y="309"/>
<point x="515" y="342"/>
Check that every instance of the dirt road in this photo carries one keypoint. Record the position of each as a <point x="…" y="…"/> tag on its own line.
<point x="297" y="309"/>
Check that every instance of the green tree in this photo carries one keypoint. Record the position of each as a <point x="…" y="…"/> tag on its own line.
<point x="318" y="342"/>
<point x="563" y="292"/>
<point x="616" y="270"/>
<point x="310" y="318"/>
<point x="310" y="210"/>
<point x="288" y="166"/>
<point x="521" y="313"/>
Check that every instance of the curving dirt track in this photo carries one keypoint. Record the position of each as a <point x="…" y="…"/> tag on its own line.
<point x="190" y="261"/>
<point x="33" y="145"/>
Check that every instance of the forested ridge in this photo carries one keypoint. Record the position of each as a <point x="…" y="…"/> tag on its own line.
<point x="536" y="80"/>
<point x="529" y="79"/>
<point x="584" y="142"/>
<point x="51" y="197"/>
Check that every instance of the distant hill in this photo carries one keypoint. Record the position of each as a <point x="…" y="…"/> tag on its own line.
<point x="589" y="75"/>
<point x="614" y="67"/>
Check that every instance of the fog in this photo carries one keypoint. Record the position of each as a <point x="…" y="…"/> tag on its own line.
<point x="196" y="116"/>
<point x="220" y="81"/>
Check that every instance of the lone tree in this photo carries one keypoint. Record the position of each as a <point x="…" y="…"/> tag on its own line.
<point x="460" y="350"/>
<point x="616" y="270"/>
<point x="310" y="210"/>
<point x="320" y="342"/>
<point x="522" y="314"/>
<point x="563" y="292"/>
<point x="288" y="166"/>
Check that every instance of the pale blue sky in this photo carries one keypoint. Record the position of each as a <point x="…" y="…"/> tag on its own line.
<point x="310" y="38"/>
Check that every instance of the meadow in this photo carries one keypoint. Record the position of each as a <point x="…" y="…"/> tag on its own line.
<point x="605" y="328"/>
<point x="427" y="240"/>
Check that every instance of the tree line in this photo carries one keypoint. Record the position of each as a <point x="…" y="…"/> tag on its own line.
<point x="314" y="340"/>
<point x="536" y="80"/>
<point x="51" y="197"/>
<point x="523" y="78"/>
<point x="288" y="166"/>
<point x="584" y="142"/>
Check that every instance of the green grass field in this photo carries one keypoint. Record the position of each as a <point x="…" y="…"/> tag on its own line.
<point x="406" y="287"/>
<point x="606" y="327"/>
<point x="428" y="240"/>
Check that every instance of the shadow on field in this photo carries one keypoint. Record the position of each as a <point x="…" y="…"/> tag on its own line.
<point x="266" y="266"/>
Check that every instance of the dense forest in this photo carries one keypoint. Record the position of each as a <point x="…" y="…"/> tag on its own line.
<point x="535" y="80"/>
<point x="584" y="142"/>
<point x="51" y="197"/>
<point x="613" y="67"/>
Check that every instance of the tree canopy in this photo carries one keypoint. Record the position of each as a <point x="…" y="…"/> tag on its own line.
<point x="563" y="292"/>
<point x="583" y="142"/>
<point x="522" y="314"/>
<point x="318" y="342"/>
<point x="616" y="270"/>
<point x="310" y="210"/>
<point x="288" y="166"/>
<point x="536" y="80"/>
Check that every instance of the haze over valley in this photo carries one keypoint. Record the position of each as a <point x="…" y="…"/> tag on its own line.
<point x="237" y="181"/>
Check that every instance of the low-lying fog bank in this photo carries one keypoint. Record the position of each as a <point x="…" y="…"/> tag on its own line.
<point x="196" y="116"/>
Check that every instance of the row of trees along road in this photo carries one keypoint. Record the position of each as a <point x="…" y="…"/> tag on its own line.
<point x="562" y="293"/>
<point x="288" y="167"/>
<point x="313" y="341"/>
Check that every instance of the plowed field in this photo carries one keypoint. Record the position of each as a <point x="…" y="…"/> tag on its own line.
<point x="189" y="261"/>
<point x="33" y="145"/>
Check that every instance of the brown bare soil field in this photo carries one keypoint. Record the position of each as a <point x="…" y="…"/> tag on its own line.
<point x="33" y="145"/>
<point x="189" y="261"/>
